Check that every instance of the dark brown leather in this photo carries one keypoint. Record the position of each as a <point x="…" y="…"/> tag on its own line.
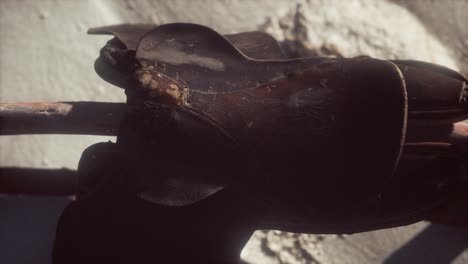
<point x="315" y="140"/>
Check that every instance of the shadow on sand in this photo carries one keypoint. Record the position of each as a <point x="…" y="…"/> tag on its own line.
<point x="434" y="245"/>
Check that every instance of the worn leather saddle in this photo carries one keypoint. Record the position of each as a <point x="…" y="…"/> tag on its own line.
<point x="312" y="145"/>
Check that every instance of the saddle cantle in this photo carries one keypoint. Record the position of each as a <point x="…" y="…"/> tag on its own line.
<point x="318" y="143"/>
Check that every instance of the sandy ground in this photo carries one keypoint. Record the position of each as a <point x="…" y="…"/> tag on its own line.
<point x="45" y="54"/>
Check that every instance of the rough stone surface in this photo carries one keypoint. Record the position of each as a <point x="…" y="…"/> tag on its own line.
<point x="45" y="54"/>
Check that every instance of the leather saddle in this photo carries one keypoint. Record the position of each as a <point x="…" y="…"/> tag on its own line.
<point x="329" y="145"/>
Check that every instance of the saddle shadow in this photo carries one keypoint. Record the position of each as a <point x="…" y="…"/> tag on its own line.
<point x="434" y="245"/>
